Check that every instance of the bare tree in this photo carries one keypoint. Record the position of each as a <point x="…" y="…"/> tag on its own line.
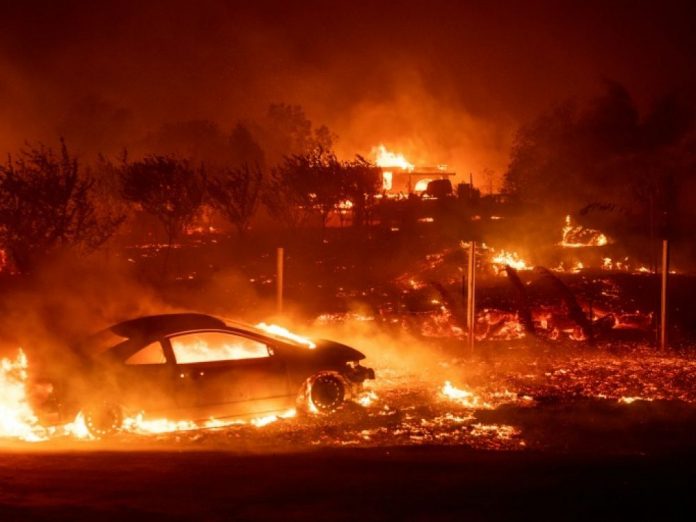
<point x="303" y="184"/>
<point x="360" y="183"/>
<point x="235" y="191"/>
<point x="287" y="131"/>
<point x="166" y="187"/>
<point x="46" y="203"/>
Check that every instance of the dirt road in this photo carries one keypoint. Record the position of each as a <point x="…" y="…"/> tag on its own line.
<point x="418" y="483"/>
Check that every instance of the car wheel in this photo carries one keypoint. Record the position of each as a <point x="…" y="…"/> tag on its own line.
<point x="326" y="393"/>
<point x="103" y="419"/>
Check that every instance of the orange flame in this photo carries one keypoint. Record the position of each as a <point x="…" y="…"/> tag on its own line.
<point x="385" y="158"/>
<point x="511" y="259"/>
<point x="17" y="419"/>
<point x="284" y="333"/>
<point x="577" y="236"/>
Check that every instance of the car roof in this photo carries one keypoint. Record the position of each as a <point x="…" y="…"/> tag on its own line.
<point x="165" y="324"/>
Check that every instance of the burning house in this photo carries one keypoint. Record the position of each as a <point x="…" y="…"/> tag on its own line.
<point x="402" y="177"/>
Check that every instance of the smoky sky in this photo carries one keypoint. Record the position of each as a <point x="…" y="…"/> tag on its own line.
<point x="442" y="82"/>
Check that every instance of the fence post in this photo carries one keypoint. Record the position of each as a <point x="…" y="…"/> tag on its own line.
<point x="279" y="279"/>
<point x="663" y="294"/>
<point x="471" y="296"/>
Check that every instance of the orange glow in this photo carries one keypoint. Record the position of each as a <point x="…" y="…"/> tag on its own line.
<point x="215" y="346"/>
<point x="421" y="185"/>
<point x="387" y="180"/>
<point x="17" y="419"/>
<point x="385" y="158"/>
<point x="577" y="236"/>
<point x="511" y="259"/>
<point x="284" y="333"/>
<point x="465" y="398"/>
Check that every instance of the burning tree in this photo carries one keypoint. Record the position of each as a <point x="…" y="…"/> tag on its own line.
<point x="235" y="192"/>
<point x="46" y="203"/>
<point x="166" y="187"/>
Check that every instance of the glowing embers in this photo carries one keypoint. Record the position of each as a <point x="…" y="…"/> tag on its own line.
<point x="17" y="418"/>
<point x="498" y="325"/>
<point x="465" y="398"/>
<point x="481" y="401"/>
<point x="623" y="265"/>
<point x="284" y="333"/>
<point x="577" y="236"/>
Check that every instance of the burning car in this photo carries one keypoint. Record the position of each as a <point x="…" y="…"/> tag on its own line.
<point x="198" y="367"/>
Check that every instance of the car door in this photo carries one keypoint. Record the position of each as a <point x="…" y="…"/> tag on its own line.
<point x="148" y="380"/>
<point x="223" y="374"/>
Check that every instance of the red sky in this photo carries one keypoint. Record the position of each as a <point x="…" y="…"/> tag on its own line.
<point x="442" y="82"/>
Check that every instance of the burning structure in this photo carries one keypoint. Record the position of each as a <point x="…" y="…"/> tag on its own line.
<point x="399" y="176"/>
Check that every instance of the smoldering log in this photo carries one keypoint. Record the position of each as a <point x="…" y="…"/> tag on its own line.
<point x="574" y="311"/>
<point x="523" y="309"/>
<point x="455" y="308"/>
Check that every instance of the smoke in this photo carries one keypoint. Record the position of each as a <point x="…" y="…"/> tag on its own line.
<point x="52" y="308"/>
<point x="444" y="82"/>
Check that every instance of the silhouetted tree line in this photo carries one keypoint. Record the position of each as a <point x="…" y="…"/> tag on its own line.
<point x="48" y="201"/>
<point x="605" y="156"/>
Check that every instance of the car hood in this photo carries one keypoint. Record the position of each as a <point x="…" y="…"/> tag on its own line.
<point x="336" y="352"/>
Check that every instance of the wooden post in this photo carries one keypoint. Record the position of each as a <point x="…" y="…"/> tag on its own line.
<point x="471" y="296"/>
<point x="279" y="279"/>
<point x="663" y="294"/>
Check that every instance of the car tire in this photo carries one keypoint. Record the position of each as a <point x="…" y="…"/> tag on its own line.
<point x="325" y="393"/>
<point x="103" y="419"/>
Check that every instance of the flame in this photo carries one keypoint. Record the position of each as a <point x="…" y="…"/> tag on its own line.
<point x="206" y="348"/>
<point x="577" y="236"/>
<point x="269" y="419"/>
<point x="385" y="158"/>
<point x="466" y="398"/>
<point x="624" y="265"/>
<point x="367" y="398"/>
<point x="17" y="418"/>
<point x="511" y="259"/>
<point x="279" y="331"/>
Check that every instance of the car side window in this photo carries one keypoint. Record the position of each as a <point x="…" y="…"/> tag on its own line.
<point x="216" y="346"/>
<point x="153" y="353"/>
